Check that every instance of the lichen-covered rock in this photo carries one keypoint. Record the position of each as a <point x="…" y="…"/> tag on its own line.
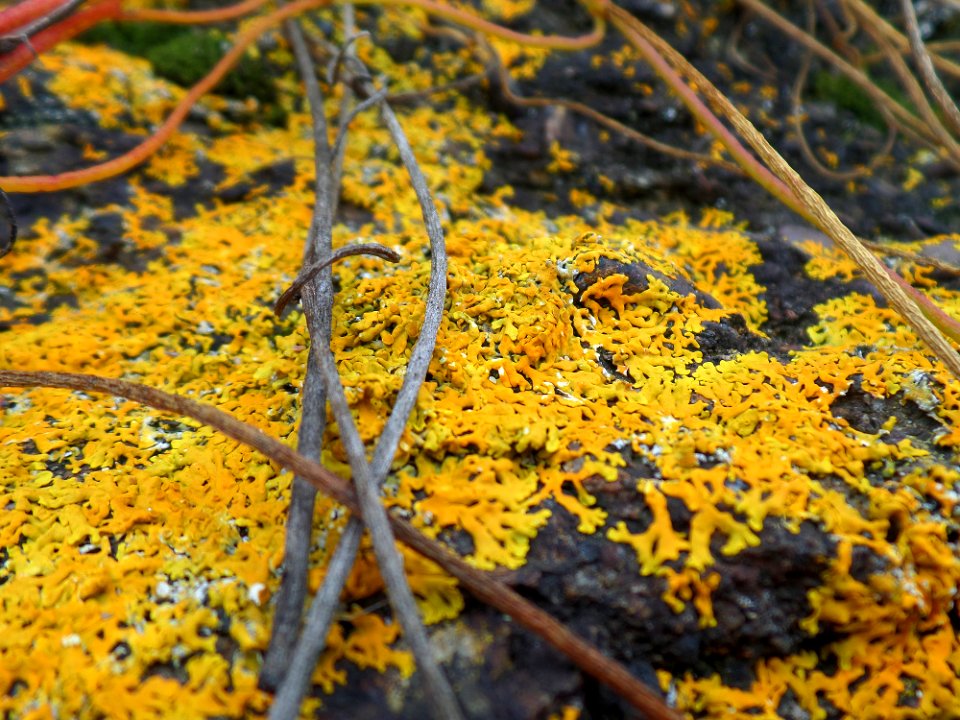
<point x="715" y="455"/>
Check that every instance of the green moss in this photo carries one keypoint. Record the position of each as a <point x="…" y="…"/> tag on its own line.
<point x="846" y="94"/>
<point x="133" y="38"/>
<point x="184" y="55"/>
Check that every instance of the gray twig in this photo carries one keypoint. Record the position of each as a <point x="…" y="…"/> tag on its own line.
<point x="343" y="54"/>
<point x="313" y="402"/>
<point x="375" y="99"/>
<point x="367" y="478"/>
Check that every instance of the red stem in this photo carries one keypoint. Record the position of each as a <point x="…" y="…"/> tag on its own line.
<point x="24" y="13"/>
<point x="25" y="53"/>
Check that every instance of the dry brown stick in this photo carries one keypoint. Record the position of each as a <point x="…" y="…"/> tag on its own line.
<point x="482" y="586"/>
<point x="313" y="419"/>
<point x="663" y="57"/>
<point x="921" y="57"/>
<point x="310" y="272"/>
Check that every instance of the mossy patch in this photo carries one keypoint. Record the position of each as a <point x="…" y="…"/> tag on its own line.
<point x="184" y="55"/>
<point x="843" y="92"/>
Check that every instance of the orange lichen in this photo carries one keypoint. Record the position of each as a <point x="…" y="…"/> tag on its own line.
<point x="133" y="541"/>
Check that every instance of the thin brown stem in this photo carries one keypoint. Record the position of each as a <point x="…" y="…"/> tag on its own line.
<point x="896" y="37"/>
<point x="310" y="272"/>
<point x="903" y="116"/>
<point x="509" y="95"/>
<point x="796" y="100"/>
<point x="915" y="92"/>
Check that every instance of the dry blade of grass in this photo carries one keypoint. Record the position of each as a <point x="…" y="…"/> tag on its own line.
<point x="924" y="63"/>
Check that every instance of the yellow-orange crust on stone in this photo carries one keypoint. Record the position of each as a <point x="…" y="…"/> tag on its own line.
<point x="129" y="540"/>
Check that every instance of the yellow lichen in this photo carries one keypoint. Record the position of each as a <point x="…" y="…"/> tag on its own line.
<point x="133" y="541"/>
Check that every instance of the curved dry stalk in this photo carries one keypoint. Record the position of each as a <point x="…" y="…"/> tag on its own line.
<point x="663" y="58"/>
<point x="310" y="272"/>
<point x="841" y="36"/>
<point x="921" y="57"/>
<point x="484" y="587"/>
<point x="737" y="59"/>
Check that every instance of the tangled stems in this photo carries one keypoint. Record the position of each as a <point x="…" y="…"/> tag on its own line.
<point x="431" y="7"/>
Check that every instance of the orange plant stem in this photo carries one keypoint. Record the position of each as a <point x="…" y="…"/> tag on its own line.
<point x="26" y="12"/>
<point x="438" y="9"/>
<point x="118" y="165"/>
<point x="25" y="53"/>
<point x="193" y="17"/>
